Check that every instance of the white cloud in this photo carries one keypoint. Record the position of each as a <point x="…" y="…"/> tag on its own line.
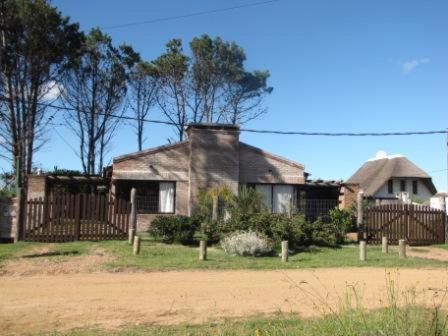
<point x="412" y="64"/>
<point x="383" y="155"/>
<point x="51" y="90"/>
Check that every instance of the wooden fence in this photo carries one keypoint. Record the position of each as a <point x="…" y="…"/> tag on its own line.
<point x="418" y="224"/>
<point x="68" y="217"/>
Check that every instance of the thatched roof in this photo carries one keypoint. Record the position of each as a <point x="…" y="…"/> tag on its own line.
<point x="375" y="173"/>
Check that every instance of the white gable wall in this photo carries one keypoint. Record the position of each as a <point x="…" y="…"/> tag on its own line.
<point x="423" y="191"/>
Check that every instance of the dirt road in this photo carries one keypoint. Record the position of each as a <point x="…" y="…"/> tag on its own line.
<point x="43" y="303"/>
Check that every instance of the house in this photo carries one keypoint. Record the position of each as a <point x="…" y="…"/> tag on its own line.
<point x="440" y="201"/>
<point x="169" y="178"/>
<point x="388" y="177"/>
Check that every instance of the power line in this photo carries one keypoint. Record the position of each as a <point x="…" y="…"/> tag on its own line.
<point x="251" y="130"/>
<point x="177" y="17"/>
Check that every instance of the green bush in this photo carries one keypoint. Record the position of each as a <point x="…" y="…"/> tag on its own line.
<point x="174" y="229"/>
<point x="277" y="227"/>
<point x="344" y="222"/>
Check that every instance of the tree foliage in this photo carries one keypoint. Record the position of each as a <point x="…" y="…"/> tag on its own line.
<point x="211" y="86"/>
<point x="143" y="91"/>
<point x="37" y="45"/>
<point x="94" y="91"/>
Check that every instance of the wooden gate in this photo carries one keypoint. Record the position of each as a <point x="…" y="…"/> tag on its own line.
<point x="68" y="217"/>
<point x="418" y="224"/>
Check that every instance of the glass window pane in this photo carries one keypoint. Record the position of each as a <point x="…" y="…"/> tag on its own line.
<point x="282" y="197"/>
<point x="266" y="191"/>
<point x="166" y="197"/>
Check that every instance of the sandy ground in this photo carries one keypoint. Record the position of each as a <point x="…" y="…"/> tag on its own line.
<point x="42" y="262"/>
<point x="428" y="252"/>
<point x="109" y="300"/>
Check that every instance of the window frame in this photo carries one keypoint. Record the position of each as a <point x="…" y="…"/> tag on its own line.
<point x="295" y="190"/>
<point x="390" y="186"/>
<point x="415" y="187"/>
<point x="403" y="185"/>
<point x="139" y="184"/>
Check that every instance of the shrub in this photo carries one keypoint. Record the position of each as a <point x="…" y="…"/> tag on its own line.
<point x="290" y="229"/>
<point x="344" y="222"/>
<point x="323" y="233"/>
<point x="170" y="229"/>
<point x="246" y="243"/>
<point x="209" y="231"/>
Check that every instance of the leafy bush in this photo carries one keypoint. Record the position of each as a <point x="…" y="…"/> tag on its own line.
<point x="344" y="222"/>
<point x="247" y="243"/>
<point x="170" y="229"/>
<point x="209" y="231"/>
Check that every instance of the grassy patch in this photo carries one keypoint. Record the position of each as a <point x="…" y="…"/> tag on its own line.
<point x="442" y="246"/>
<point x="155" y="255"/>
<point x="158" y="256"/>
<point x="411" y="321"/>
<point x="36" y="250"/>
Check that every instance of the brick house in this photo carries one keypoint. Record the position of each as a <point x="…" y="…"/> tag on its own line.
<point x="168" y="178"/>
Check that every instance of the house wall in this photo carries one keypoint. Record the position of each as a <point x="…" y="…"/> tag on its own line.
<point x="258" y="167"/>
<point x="423" y="191"/>
<point x="214" y="158"/>
<point x="349" y="194"/>
<point x="37" y="186"/>
<point x="171" y="164"/>
<point x="8" y="219"/>
<point x="437" y="202"/>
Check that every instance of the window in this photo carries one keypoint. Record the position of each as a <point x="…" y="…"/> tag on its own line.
<point x="402" y="185"/>
<point x="278" y="198"/>
<point x="282" y="198"/>
<point x="266" y="191"/>
<point x="390" y="186"/>
<point x="415" y="187"/>
<point x="152" y="196"/>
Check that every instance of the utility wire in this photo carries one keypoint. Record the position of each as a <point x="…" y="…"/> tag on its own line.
<point x="251" y="130"/>
<point x="177" y="17"/>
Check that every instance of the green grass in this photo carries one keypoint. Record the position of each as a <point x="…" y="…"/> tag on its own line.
<point x="158" y="256"/>
<point x="411" y="321"/>
<point x="442" y="246"/>
<point x="161" y="256"/>
<point x="29" y="249"/>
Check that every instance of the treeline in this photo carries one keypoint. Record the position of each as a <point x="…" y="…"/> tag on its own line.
<point x="52" y="71"/>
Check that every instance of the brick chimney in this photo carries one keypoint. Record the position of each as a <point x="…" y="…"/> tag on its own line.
<point x="214" y="157"/>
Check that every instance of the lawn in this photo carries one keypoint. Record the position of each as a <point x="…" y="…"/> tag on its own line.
<point x="392" y="321"/>
<point x="158" y="256"/>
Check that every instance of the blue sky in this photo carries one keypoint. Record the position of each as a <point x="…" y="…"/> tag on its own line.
<point x="336" y="66"/>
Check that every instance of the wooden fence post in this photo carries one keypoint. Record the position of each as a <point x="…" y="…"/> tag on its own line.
<point x="203" y="250"/>
<point x="77" y="216"/>
<point x="445" y="210"/>
<point x="285" y="251"/>
<point x="360" y="215"/>
<point x="385" y="246"/>
<point x="20" y="218"/>
<point x="133" y="215"/>
<point x="215" y="209"/>
<point x="362" y="250"/>
<point x="136" y="245"/>
<point x="402" y="248"/>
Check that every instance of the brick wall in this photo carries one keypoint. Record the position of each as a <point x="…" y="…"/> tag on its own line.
<point x="7" y="219"/>
<point x="214" y="158"/>
<point x="349" y="194"/>
<point x="37" y="186"/>
<point x="257" y="166"/>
